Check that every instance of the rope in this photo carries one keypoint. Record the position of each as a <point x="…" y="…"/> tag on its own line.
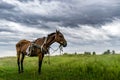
<point x="54" y="50"/>
<point x="44" y="43"/>
<point x="61" y="50"/>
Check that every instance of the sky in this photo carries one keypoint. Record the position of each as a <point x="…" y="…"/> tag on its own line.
<point x="87" y="25"/>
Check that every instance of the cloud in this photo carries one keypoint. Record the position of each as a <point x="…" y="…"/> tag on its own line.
<point x="113" y="28"/>
<point x="87" y="25"/>
<point x="69" y="13"/>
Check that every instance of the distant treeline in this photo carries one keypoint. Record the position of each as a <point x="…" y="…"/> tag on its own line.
<point x="94" y="53"/>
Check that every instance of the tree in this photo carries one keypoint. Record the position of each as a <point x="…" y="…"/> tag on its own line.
<point x="107" y="52"/>
<point x="94" y="53"/>
<point x="113" y="51"/>
<point x="75" y="53"/>
<point x="87" y="53"/>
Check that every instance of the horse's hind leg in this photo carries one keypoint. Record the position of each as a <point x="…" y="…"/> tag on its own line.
<point x="22" y="58"/>
<point x="18" y="62"/>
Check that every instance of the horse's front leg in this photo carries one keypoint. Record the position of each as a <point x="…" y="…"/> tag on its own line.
<point x="40" y="62"/>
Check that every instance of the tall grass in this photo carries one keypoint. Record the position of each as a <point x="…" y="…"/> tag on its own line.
<point x="67" y="67"/>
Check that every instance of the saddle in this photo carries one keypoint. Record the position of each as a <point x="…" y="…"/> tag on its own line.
<point x="32" y="48"/>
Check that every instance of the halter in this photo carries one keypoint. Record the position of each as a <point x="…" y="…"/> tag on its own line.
<point x="60" y="47"/>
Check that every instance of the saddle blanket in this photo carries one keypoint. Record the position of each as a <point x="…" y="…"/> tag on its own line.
<point x="28" y="50"/>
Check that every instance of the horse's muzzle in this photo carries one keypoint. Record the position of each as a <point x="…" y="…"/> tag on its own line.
<point x="64" y="44"/>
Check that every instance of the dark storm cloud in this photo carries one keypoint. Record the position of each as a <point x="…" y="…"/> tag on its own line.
<point x="4" y="5"/>
<point x="87" y="12"/>
<point x="68" y="13"/>
<point x="93" y="14"/>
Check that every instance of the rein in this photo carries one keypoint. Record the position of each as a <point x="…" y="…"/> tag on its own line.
<point x="55" y="50"/>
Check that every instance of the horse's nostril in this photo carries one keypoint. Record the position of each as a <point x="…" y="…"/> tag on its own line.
<point x="65" y="44"/>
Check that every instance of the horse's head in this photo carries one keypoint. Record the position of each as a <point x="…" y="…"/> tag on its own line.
<point x="60" y="38"/>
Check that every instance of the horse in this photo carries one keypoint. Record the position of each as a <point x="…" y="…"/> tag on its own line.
<point x="41" y="47"/>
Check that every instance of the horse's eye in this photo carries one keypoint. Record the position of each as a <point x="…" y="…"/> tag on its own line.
<point x="60" y="36"/>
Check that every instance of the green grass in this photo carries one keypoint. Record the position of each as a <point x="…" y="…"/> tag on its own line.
<point x="67" y="67"/>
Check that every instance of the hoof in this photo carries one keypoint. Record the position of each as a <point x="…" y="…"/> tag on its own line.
<point x="22" y="71"/>
<point x="39" y="73"/>
<point x="19" y="72"/>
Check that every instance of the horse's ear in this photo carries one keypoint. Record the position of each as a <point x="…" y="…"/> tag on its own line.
<point x="57" y="31"/>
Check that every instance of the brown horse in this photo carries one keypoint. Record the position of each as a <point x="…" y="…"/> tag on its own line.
<point x="41" y="47"/>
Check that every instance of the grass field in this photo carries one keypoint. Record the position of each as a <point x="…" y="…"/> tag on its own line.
<point x="67" y="67"/>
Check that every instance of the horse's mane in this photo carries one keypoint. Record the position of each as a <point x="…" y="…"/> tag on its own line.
<point x="44" y="37"/>
<point x="51" y="34"/>
<point x="38" y="39"/>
